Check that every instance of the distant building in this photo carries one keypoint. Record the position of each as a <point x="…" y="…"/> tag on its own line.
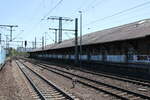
<point x="22" y="49"/>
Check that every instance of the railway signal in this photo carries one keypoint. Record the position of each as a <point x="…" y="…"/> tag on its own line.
<point x="25" y="43"/>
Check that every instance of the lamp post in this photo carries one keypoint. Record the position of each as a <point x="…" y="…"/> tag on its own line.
<point x="80" y="36"/>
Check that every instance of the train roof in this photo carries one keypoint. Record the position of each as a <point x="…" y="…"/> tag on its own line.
<point x="129" y="31"/>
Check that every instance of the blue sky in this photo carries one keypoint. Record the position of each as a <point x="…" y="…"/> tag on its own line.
<point x="27" y="14"/>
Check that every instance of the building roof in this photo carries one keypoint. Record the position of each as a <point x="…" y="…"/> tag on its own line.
<point x="129" y="31"/>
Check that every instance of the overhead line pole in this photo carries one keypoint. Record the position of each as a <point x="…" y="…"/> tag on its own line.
<point x="60" y="30"/>
<point x="76" y="41"/>
<point x="11" y="29"/>
<point x="60" y="25"/>
<point x="55" y="35"/>
<point x="76" y="53"/>
<point x="80" y="37"/>
<point x="22" y="44"/>
<point x="42" y="42"/>
<point x="35" y="42"/>
<point x="45" y="38"/>
<point x="0" y="38"/>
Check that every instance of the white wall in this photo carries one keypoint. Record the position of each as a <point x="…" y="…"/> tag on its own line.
<point x="140" y="58"/>
<point x="115" y="58"/>
<point x="109" y="58"/>
<point x="96" y="57"/>
<point x="83" y="57"/>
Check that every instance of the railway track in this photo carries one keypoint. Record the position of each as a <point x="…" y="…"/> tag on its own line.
<point x="107" y="88"/>
<point x="132" y="80"/>
<point x="1" y="66"/>
<point x="44" y="89"/>
<point x="117" y="77"/>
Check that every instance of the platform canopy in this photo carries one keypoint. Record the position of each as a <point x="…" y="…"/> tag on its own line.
<point x="129" y="31"/>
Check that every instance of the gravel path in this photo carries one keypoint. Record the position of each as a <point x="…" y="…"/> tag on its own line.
<point x="12" y="85"/>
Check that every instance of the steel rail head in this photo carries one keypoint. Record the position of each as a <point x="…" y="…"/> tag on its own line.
<point x="51" y="84"/>
<point x="32" y="84"/>
<point x="134" y="93"/>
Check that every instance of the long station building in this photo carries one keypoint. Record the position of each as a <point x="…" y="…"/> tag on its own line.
<point x="129" y="43"/>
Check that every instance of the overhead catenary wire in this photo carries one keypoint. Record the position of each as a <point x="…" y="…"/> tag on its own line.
<point x="87" y="8"/>
<point x="120" y="20"/>
<point x="51" y="38"/>
<point x="67" y="35"/>
<point x="123" y="20"/>
<point x="93" y="1"/>
<point x="79" y="8"/>
<point x="59" y="2"/>
<point x="18" y="34"/>
<point x="93" y="6"/>
<point x="50" y="11"/>
<point x="98" y="3"/>
<point x="38" y="23"/>
<point x="35" y="12"/>
<point x="118" y="13"/>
